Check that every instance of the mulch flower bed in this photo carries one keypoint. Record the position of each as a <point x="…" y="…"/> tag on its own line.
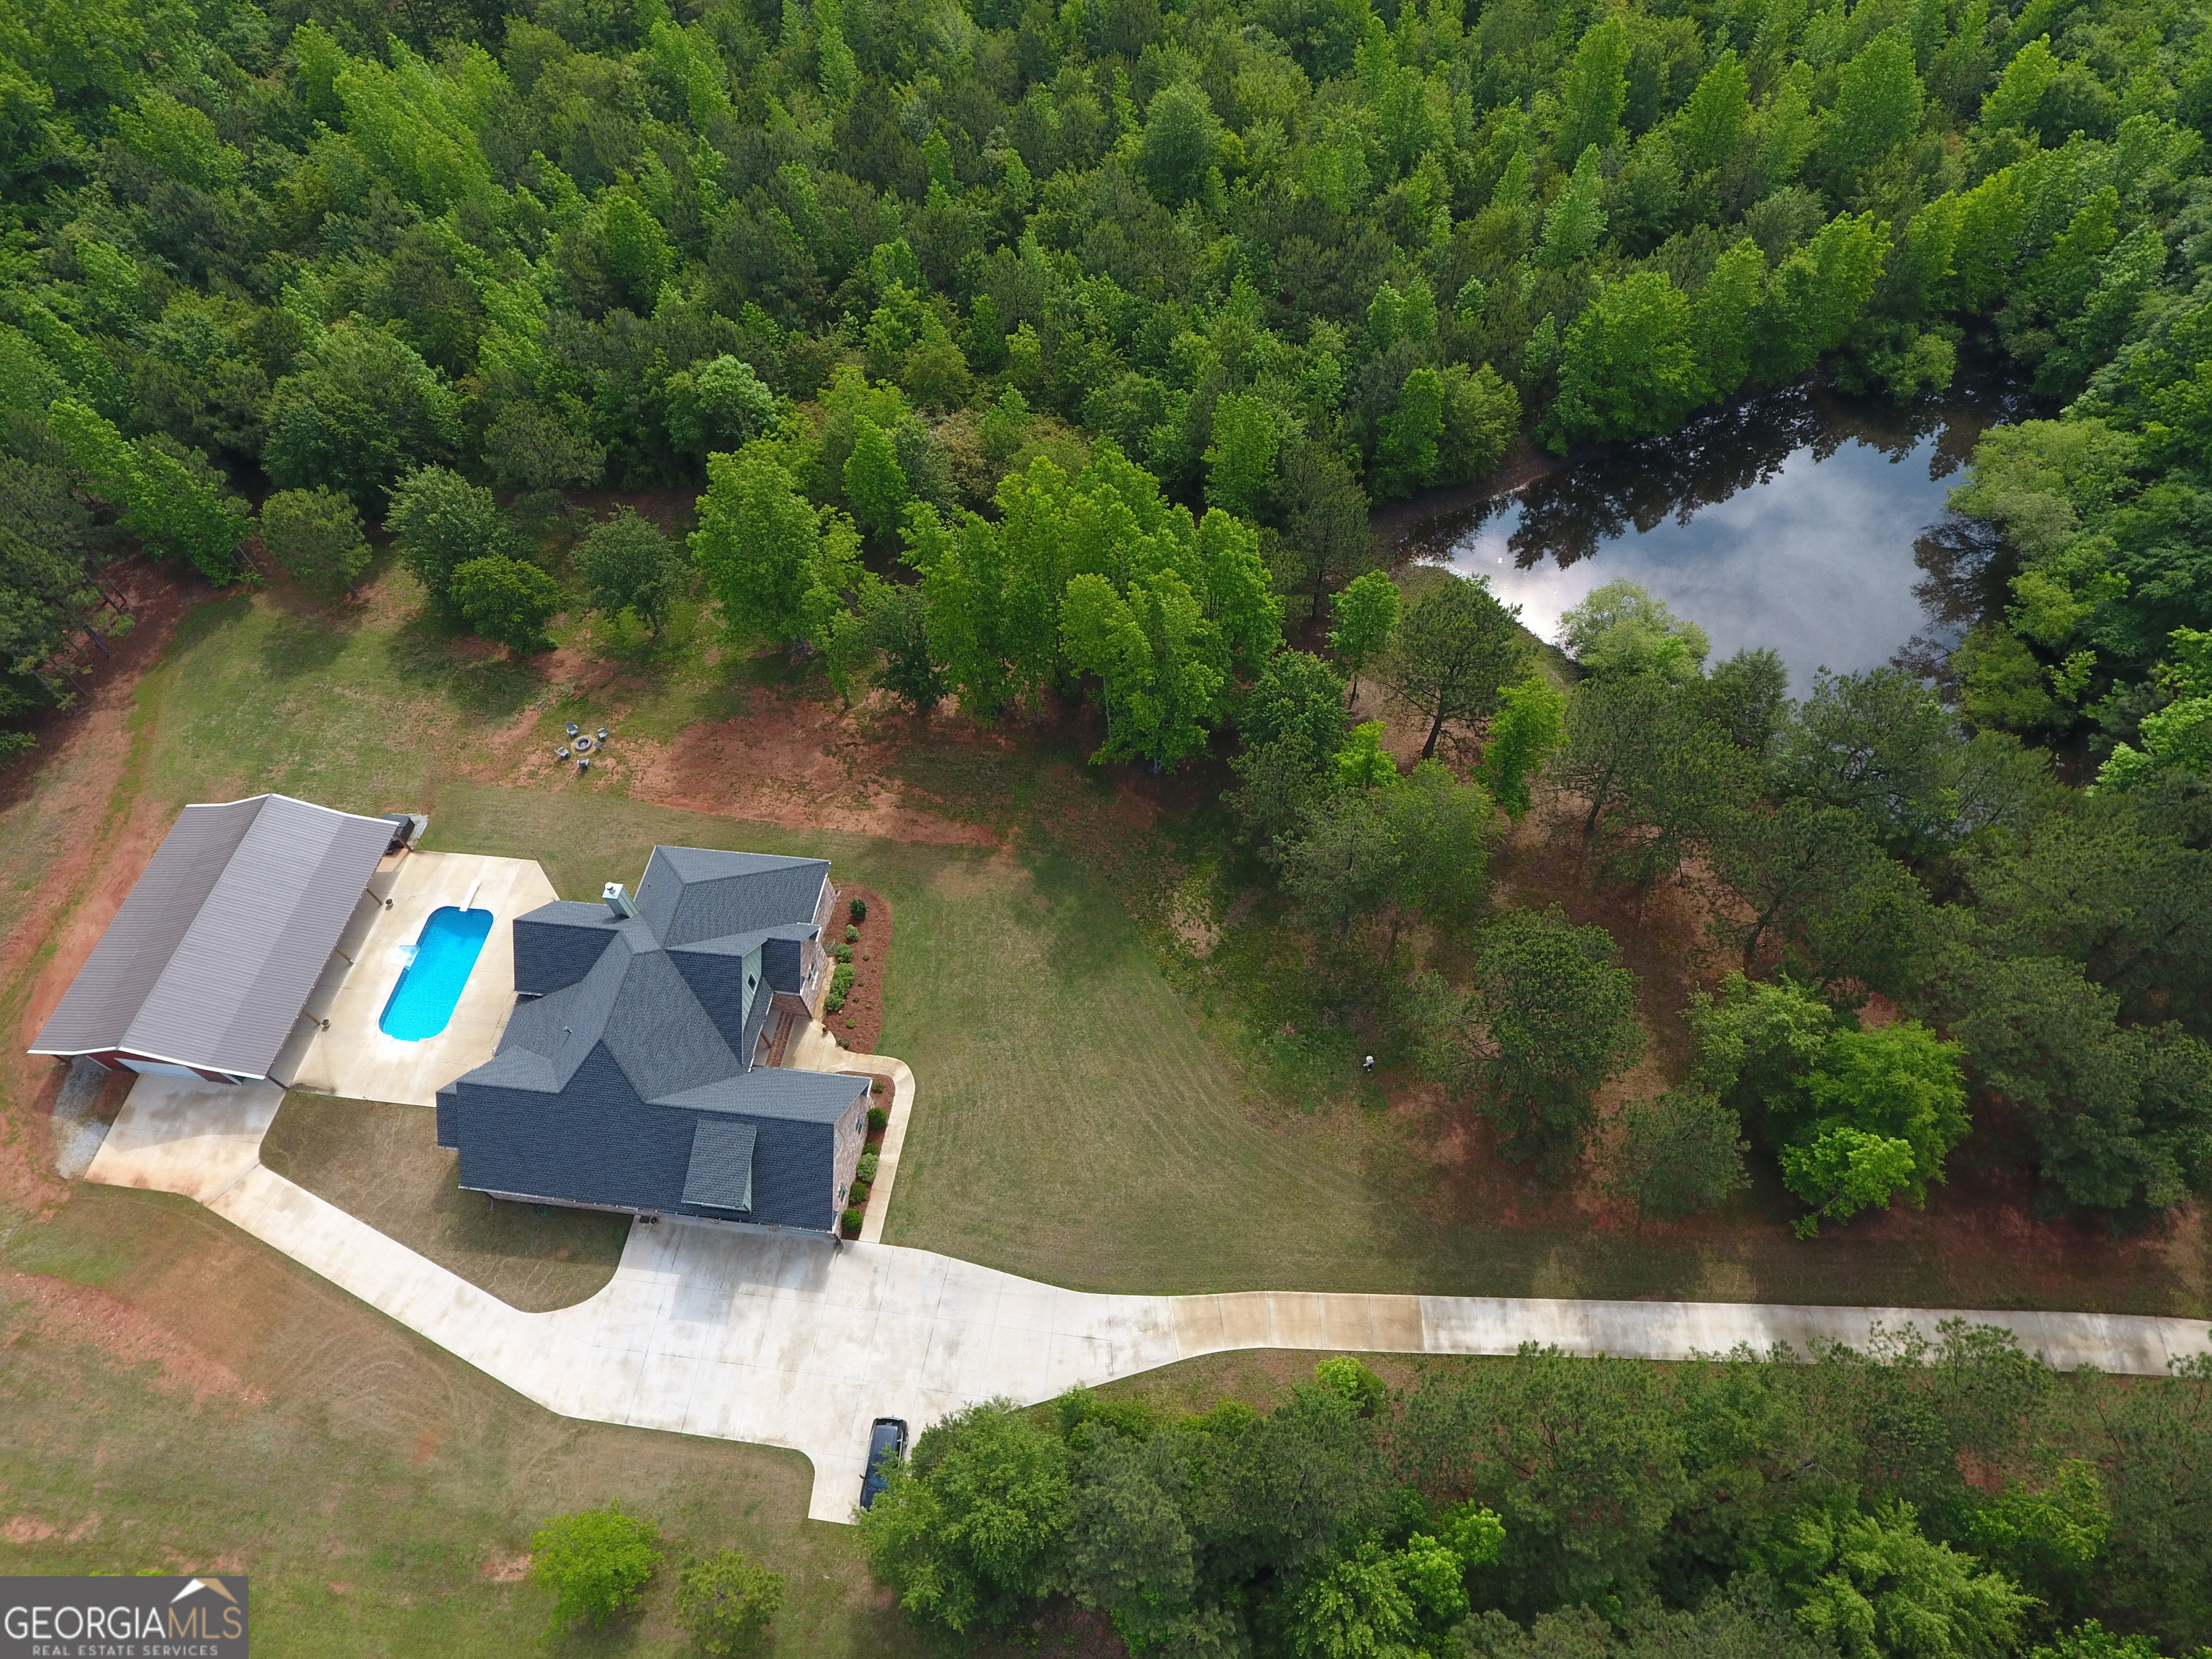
<point x="859" y="1024"/>
<point x="857" y="1199"/>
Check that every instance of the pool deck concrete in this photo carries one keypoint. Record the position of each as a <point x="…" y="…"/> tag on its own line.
<point x="788" y="1340"/>
<point x="354" y="1058"/>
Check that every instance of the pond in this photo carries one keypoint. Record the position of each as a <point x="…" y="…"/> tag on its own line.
<point x="1800" y="519"/>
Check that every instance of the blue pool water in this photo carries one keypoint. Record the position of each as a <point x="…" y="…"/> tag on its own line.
<point x="445" y="953"/>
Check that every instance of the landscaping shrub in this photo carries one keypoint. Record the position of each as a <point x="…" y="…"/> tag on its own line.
<point x="596" y="1563"/>
<point x="878" y="1119"/>
<point x="868" y="1169"/>
<point x="858" y="909"/>
<point x="841" y="953"/>
<point x="1340" y="1374"/>
<point x="726" y="1603"/>
<point x="840" y="985"/>
<point x="852" y="936"/>
<point x="851" y="1220"/>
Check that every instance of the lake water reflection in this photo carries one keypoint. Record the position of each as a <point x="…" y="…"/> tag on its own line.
<point x="1800" y="520"/>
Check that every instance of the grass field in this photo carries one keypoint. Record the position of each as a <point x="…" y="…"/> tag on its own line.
<point x="176" y="1396"/>
<point x="383" y="1163"/>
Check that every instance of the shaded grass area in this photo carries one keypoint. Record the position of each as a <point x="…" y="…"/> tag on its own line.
<point x="382" y="1164"/>
<point x="355" y="707"/>
<point x="380" y="1491"/>
<point x="369" y="705"/>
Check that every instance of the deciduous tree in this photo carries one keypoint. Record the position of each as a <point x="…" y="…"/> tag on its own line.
<point x="595" y="1562"/>
<point x="361" y="410"/>
<point x="967" y="1531"/>
<point x="1619" y="629"/>
<point x="627" y="564"/>
<point x="757" y="542"/>
<point x="1457" y="648"/>
<point x="726" y="1603"/>
<point x="1240" y="460"/>
<point x="507" y="601"/>
<point x="1628" y="367"/>
<point x="442" y="521"/>
<point x="1528" y="726"/>
<point x="315" y="537"/>
<point x="1366" y="615"/>
<point x="1878" y="1112"/>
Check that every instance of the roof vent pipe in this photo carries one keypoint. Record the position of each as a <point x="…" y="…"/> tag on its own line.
<point x="618" y="900"/>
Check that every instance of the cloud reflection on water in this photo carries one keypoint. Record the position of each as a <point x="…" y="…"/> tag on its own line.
<point x="1791" y="522"/>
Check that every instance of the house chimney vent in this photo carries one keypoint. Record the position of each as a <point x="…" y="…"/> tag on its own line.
<point x="618" y="900"/>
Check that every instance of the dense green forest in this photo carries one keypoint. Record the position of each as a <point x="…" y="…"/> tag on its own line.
<point x="1281" y="259"/>
<point x="1943" y="1499"/>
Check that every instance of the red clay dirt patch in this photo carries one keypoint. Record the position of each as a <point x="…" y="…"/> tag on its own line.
<point x="791" y="759"/>
<point x="84" y="764"/>
<point x="99" y="727"/>
<point x="59" y="1309"/>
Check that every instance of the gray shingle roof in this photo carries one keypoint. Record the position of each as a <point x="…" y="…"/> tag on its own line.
<point x="623" y="1077"/>
<point x="210" y="958"/>
<point x="720" y="1173"/>
<point x="689" y="893"/>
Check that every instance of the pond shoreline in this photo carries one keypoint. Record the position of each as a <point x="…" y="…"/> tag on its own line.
<point x="1800" y="519"/>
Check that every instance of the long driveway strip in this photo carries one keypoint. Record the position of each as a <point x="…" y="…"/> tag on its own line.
<point x="785" y="1341"/>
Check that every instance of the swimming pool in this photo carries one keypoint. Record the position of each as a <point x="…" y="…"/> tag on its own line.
<point x="445" y="953"/>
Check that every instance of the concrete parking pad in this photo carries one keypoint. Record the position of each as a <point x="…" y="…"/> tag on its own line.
<point x="354" y="1058"/>
<point x="788" y="1340"/>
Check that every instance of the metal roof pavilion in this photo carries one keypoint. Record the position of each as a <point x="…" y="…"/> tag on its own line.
<point x="211" y="958"/>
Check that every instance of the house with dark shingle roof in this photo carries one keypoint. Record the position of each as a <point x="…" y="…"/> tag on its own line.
<point x="633" y="1074"/>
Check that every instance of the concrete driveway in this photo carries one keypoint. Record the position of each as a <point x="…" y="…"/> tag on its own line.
<point x="784" y="1341"/>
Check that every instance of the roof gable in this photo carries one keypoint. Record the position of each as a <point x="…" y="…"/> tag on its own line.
<point x="690" y="893"/>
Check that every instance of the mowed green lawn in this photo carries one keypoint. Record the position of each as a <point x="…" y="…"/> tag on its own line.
<point x="1072" y="1122"/>
<point x="1075" y="1121"/>
<point x="383" y="1163"/>
<point x="378" y="1492"/>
